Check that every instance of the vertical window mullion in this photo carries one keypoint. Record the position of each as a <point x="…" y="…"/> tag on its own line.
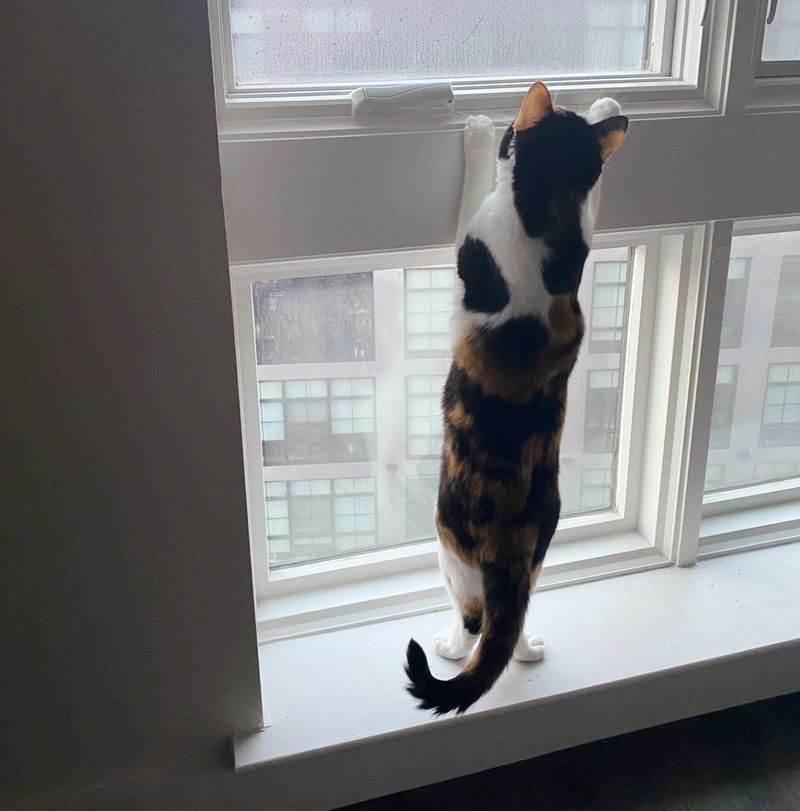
<point x="709" y="295"/>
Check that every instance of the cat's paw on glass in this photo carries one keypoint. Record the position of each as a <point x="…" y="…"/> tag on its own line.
<point x="529" y="648"/>
<point x="454" y="643"/>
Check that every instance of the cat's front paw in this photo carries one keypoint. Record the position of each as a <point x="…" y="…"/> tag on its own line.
<point x="529" y="648"/>
<point x="453" y="643"/>
<point x="478" y="131"/>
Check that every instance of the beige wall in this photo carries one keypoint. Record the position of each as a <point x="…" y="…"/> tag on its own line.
<point x="127" y="639"/>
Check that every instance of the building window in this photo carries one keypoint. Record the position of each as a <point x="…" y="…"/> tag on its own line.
<point x="715" y="477"/>
<point x="780" y="419"/>
<point x="318" y="518"/>
<point x="724" y="401"/>
<point x="314" y="319"/>
<point x="429" y="306"/>
<point x="596" y="489"/>
<point x="311" y="421"/>
<point x="764" y="471"/>
<point x="419" y="505"/>
<point x="424" y="429"/>
<point x="608" y="307"/>
<point x="786" y="326"/>
<point x="600" y="426"/>
<point x="735" y="303"/>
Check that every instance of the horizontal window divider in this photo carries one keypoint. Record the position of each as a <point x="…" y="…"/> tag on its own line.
<point x="756" y="495"/>
<point x="337" y="605"/>
<point x="749" y="529"/>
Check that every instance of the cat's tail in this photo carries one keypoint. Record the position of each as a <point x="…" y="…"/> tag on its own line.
<point x="506" y="592"/>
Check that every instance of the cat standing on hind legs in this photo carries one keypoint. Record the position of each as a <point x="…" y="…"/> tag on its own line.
<point x="517" y="329"/>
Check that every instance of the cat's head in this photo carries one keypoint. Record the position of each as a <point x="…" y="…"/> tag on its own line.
<point x="556" y="156"/>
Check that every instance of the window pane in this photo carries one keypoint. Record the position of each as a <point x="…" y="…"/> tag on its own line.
<point x="310" y="520"/>
<point x="755" y="429"/>
<point x="782" y="35"/>
<point x="323" y="41"/>
<point x="315" y="319"/>
<point x="343" y="437"/>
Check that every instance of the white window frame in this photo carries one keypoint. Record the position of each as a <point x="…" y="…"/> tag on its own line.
<point x="759" y="514"/>
<point x="647" y="527"/>
<point x="687" y="54"/>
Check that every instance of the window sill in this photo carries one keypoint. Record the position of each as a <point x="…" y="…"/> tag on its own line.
<point x="407" y="593"/>
<point x="623" y="654"/>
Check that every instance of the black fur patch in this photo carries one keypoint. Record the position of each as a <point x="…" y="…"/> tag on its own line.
<point x="500" y="428"/>
<point x="453" y="507"/>
<point x="485" y="289"/>
<point x="473" y="622"/>
<point x="557" y="162"/>
<point x="505" y="143"/>
<point x="484" y="513"/>
<point x="516" y="343"/>
<point x="563" y="269"/>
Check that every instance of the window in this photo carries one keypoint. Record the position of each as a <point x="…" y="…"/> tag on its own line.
<point x="309" y="421"/>
<point x="735" y="302"/>
<point x="314" y="519"/>
<point x="286" y="42"/>
<point x="715" y="477"/>
<point x="424" y="428"/>
<point x="754" y="429"/>
<point x="602" y="396"/>
<point x="724" y="401"/>
<point x="429" y="304"/>
<point x="766" y="471"/>
<point x="350" y="368"/>
<point x="335" y="228"/>
<point x="596" y="489"/>
<point x="786" y="326"/>
<point x="608" y="307"/>
<point x="780" y="420"/>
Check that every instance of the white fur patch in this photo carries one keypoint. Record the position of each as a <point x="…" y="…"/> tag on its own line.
<point x="497" y="224"/>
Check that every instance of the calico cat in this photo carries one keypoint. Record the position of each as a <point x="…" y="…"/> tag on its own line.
<point x="516" y="334"/>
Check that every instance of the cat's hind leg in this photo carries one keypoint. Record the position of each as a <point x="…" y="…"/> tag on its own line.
<point x="529" y="647"/>
<point x="465" y="587"/>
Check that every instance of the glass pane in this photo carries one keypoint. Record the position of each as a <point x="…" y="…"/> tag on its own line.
<point x="782" y="35"/>
<point x="755" y="428"/>
<point x="351" y="450"/>
<point x="314" y="319"/>
<point x="355" y="41"/>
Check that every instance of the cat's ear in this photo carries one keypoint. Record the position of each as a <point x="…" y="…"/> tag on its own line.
<point x="610" y="133"/>
<point x="536" y="106"/>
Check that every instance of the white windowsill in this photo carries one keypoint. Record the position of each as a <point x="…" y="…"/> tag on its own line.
<point x="622" y="654"/>
<point x="420" y="590"/>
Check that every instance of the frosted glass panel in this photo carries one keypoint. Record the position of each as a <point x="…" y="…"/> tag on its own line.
<point x="782" y="35"/>
<point x="297" y="41"/>
<point x="350" y="404"/>
<point x="755" y="427"/>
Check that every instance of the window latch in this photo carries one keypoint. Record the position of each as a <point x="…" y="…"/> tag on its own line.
<point x="405" y="99"/>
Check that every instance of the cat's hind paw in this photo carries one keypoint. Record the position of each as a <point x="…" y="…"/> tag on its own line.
<point x="454" y="643"/>
<point x="529" y="648"/>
